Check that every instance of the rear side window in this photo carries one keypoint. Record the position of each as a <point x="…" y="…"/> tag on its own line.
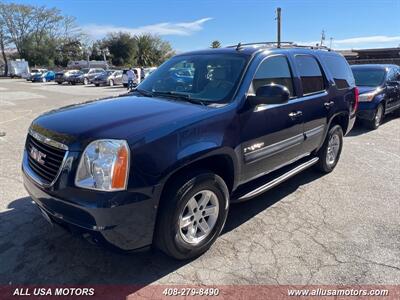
<point x="274" y="70"/>
<point x="310" y="74"/>
<point x="340" y="70"/>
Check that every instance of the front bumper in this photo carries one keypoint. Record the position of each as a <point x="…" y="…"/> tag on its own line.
<point x="124" y="220"/>
<point x="100" y="82"/>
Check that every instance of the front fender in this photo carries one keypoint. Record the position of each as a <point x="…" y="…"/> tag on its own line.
<point x="194" y="154"/>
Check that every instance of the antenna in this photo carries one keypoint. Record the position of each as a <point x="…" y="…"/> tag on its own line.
<point x="238" y="46"/>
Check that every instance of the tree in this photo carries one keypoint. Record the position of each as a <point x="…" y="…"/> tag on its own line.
<point x="122" y="47"/>
<point x="215" y="44"/>
<point x="4" y="41"/>
<point x="38" y="33"/>
<point x="151" y="50"/>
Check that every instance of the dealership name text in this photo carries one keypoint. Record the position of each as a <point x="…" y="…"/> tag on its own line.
<point x="70" y="291"/>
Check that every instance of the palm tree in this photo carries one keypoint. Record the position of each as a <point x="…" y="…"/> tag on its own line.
<point x="151" y="50"/>
<point x="215" y="44"/>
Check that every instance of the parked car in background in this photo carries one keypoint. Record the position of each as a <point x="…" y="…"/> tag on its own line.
<point x="138" y="73"/>
<point x="379" y="87"/>
<point x="44" y="77"/>
<point x="162" y="166"/>
<point x="109" y="77"/>
<point x="85" y="76"/>
<point x="35" y="72"/>
<point x="90" y="74"/>
<point x="63" y="76"/>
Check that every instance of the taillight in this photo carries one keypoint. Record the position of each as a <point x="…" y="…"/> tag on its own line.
<point x="356" y="96"/>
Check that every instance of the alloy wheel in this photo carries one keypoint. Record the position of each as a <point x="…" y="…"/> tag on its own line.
<point x="378" y="115"/>
<point x="333" y="149"/>
<point x="198" y="217"/>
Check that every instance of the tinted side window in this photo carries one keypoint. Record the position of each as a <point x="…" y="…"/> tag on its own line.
<point x="340" y="70"/>
<point x="274" y="70"/>
<point x="310" y="74"/>
<point x="393" y="74"/>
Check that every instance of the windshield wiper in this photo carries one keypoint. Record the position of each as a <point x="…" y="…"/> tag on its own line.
<point x="178" y="95"/>
<point x="143" y="92"/>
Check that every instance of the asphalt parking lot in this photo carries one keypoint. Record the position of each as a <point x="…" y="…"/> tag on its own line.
<point x="341" y="228"/>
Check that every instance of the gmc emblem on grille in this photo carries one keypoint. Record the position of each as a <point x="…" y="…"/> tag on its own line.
<point x="37" y="155"/>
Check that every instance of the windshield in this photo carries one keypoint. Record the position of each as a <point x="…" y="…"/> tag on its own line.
<point x="369" y="77"/>
<point x="206" y="77"/>
<point x="85" y="71"/>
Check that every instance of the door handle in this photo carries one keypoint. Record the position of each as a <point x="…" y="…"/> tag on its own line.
<point x="329" y="104"/>
<point x="295" y="114"/>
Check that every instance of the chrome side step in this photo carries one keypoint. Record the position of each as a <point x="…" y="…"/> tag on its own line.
<point x="269" y="185"/>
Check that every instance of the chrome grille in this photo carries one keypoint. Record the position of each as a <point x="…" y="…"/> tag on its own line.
<point x="44" y="160"/>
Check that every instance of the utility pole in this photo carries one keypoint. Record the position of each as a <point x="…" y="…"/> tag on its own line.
<point x="322" y="37"/>
<point x="278" y="23"/>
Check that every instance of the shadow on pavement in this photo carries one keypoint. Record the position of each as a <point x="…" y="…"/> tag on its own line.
<point x="33" y="252"/>
<point x="360" y="129"/>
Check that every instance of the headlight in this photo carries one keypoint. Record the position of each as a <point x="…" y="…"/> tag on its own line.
<point x="104" y="166"/>
<point x="368" y="97"/>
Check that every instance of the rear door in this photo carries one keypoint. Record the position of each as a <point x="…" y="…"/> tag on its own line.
<point x="315" y="101"/>
<point x="272" y="135"/>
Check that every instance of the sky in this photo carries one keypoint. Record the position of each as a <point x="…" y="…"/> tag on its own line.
<point x="190" y="25"/>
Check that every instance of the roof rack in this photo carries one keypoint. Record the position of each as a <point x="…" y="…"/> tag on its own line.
<point x="282" y="45"/>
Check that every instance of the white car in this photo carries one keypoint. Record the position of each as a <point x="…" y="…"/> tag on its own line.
<point x="138" y="73"/>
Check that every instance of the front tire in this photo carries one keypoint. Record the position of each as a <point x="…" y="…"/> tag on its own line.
<point x="377" y="120"/>
<point x="330" y="151"/>
<point x="192" y="215"/>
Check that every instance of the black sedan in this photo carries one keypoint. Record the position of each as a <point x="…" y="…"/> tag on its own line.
<point x="109" y="77"/>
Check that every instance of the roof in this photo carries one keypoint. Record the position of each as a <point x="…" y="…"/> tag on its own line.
<point x="250" y="49"/>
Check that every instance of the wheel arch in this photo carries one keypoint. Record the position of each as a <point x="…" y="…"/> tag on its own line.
<point x="221" y="162"/>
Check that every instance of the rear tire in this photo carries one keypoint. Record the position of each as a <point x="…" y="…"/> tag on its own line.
<point x="330" y="151"/>
<point x="97" y="84"/>
<point x="59" y="82"/>
<point x="377" y="120"/>
<point x="187" y="226"/>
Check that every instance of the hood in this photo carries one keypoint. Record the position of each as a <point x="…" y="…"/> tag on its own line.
<point x="366" y="89"/>
<point x="117" y="118"/>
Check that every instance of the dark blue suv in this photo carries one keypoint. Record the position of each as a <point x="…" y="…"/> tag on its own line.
<point x="162" y="165"/>
<point x="379" y="87"/>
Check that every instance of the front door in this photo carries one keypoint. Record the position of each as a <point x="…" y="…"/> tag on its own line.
<point x="272" y="135"/>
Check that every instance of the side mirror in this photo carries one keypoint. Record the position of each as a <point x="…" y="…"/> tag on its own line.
<point x="270" y="94"/>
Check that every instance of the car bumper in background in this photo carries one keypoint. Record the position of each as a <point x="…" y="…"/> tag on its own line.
<point x="366" y="110"/>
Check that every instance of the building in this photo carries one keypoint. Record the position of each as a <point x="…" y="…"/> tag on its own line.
<point x="373" y="56"/>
